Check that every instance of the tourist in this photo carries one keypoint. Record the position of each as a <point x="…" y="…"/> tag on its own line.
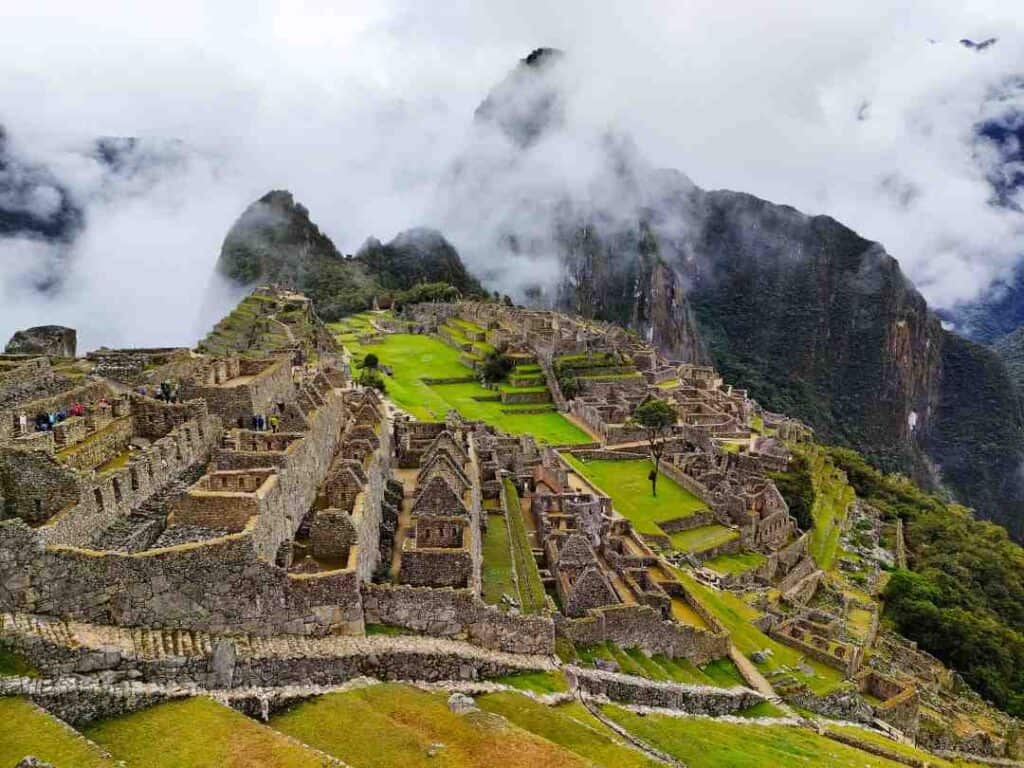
<point x="274" y="421"/>
<point x="22" y="424"/>
<point x="255" y="423"/>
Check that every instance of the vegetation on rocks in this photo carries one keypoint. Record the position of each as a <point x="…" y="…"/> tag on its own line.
<point x="275" y="241"/>
<point x="964" y="599"/>
<point x="531" y="590"/>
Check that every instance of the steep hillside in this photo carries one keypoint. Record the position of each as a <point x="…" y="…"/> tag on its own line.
<point x="275" y="241"/>
<point x="813" y="319"/>
<point x="416" y="256"/>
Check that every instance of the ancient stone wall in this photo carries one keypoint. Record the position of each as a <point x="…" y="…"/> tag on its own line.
<point x="643" y="627"/>
<point x="114" y="495"/>
<point x="100" y="447"/>
<point x="458" y="614"/>
<point x="694" y="699"/>
<point x="155" y="418"/>
<point x="34" y="487"/>
<point x="23" y="380"/>
<point x="216" y="585"/>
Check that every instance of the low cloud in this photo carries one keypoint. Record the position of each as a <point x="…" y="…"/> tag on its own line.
<point x="365" y="112"/>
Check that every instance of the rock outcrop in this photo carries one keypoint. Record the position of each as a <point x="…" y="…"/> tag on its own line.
<point x="275" y="241"/>
<point x="48" y="340"/>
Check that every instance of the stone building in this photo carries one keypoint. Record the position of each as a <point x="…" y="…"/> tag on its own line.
<point x="443" y="549"/>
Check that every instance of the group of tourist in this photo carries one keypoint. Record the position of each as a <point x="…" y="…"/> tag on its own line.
<point x="45" y="421"/>
<point x="261" y="423"/>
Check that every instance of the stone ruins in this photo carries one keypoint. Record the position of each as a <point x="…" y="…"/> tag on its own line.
<point x="245" y="514"/>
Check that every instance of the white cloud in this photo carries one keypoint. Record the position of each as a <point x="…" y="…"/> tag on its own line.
<point x="361" y="109"/>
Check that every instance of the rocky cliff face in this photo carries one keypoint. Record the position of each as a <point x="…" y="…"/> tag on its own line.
<point x="813" y="319"/>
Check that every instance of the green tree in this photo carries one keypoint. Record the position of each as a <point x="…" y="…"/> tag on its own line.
<point x="496" y="366"/>
<point x="370" y="361"/>
<point x="657" y="418"/>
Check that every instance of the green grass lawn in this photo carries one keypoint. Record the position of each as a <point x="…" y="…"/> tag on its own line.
<point x="531" y="589"/>
<point x="741" y="562"/>
<point x="389" y="725"/>
<point x="413" y="358"/>
<point x="703" y="743"/>
<point x="627" y="484"/>
<point x="198" y="733"/>
<point x="737" y="616"/>
<point x="570" y="726"/>
<point x="703" y="538"/>
<point x="28" y="731"/>
<point x="762" y="709"/>
<point x="496" y="571"/>
<point x="536" y="682"/>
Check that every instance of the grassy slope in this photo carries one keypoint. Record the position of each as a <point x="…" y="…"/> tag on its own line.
<point x="395" y="725"/>
<point x="873" y="737"/>
<point x="737" y="616"/>
<point x="496" y="571"/>
<point x="536" y="682"/>
<point x="738" y="563"/>
<point x="832" y="497"/>
<point x="703" y="743"/>
<point x="531" y="589"/>
<point x="196" y="733"/>
<point x="627" y="483"/>
<point x="703" y="538"/>
<point x="28" y="731"/>
<point x="568" y="725"/>
<point x="413" y="357"/>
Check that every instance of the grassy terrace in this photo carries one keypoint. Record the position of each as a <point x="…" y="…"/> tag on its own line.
<point x="29" y="731"/>
<point x="633" y="661"/>
<point x="872" y="737"/>
<point x="832" y="498"/>
<point x="703" y="743"/>
<point x="497" y="566"/>
<point x="536" y="682"/>
<point x="741" y="562"/>
<point x="703" y="538"/>
<point x="395" y="725"/>
<point x="197" y="732"/>
<point x="737" y="616"/>
<point x="570" y="726"/>
<point x="413" y="358"/>
<point x="627" y="484"/>
<point x="531" y="590"/>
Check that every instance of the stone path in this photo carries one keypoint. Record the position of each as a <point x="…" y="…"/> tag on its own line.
<point x="753" y="676"/>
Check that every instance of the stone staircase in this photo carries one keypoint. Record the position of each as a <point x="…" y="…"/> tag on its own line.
<point x="149" y="645"/>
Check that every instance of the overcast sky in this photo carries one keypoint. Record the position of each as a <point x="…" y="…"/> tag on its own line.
<point x="863" y="111"/>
